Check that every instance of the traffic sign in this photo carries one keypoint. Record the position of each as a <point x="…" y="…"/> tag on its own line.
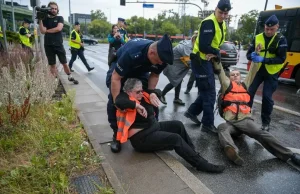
<point x="148" y="5"/>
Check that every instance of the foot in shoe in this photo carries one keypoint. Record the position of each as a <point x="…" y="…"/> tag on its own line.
<point x="163" y="99"/>
<point x="209" y="128"/>
<point x="187" y="92"/>
<point x="71" y="79"/>
<point x="115" y="146"/>
<point x="296" y="159"/>
<point x="208" y="167"/>
<point x="265" y="127"/>
<point x="233" y="155"/>
<point x="71" y="70"/>
<point x="192" y="117"/>
<point x="90" y="69"/>
<point x="178" y="101"/>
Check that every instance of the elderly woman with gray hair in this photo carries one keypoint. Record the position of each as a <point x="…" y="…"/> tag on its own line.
<point x="136" y="121"/>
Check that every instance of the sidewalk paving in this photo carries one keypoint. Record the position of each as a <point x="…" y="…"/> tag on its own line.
<point x="128" y="171"/>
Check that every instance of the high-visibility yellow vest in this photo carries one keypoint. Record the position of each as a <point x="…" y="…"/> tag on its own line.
<point x="1" y="34"/>
<point x="77" y="39"/>
<point x="272" y="68"/>
<point x="24" y="39"/>
<point x="218" y="39"/>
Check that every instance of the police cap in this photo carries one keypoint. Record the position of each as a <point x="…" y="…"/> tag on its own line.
<point x="25" y="20"/>
<point x="76" y="24"/>
<point x="121" y="19"/>
<point x="165" y="50"/>
<point x="224" y="5"/>
<point x="272" y="21"/>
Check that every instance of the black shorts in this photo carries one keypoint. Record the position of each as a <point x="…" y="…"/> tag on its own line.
<point x="52" y="50"/>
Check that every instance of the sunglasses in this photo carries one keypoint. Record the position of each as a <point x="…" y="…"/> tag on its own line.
<point x="234" y="74"/>
<point x="138" y="92"/>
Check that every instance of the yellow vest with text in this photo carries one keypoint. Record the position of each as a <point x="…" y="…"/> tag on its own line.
<point x="1" y="34"/>
<point x="77" y="39"/>
<point x="24" y="39"/>
<point x="272" y="68"/>
<point x="218" y="39"/>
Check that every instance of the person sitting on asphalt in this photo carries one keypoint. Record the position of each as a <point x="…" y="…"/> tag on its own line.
<point x="178" y="70"/>
<point x="136" y="121"/>
<point x="237" y="113"/>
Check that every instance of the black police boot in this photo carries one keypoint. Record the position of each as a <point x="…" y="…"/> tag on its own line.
<point x="205" y="166"/>
<point x="210" y="128"/>
<point x="265" y="127"/>
<point x="178" y="101"/>
<point x="71" y="79"/>
<point x="233" y="155"/>
<point x="115" y="146"/>
<point x="192" y="117"/>
<point x="296" y="159"/>
<point x="71" y="70"/>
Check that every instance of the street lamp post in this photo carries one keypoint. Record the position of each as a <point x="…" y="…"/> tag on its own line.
<point x="70" y="17"/>
<point x="13" y="15"/>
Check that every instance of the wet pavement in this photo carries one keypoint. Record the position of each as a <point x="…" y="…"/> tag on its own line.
<point x="262" y="173"/>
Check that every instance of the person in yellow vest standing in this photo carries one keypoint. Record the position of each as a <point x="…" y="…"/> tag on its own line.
<point x="271" y="60"/>
<point x="77" y="47"/>
<point x="24" y="35"/>
<point x="211" y="35"/>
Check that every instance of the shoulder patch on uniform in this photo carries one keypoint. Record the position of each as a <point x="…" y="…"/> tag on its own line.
<point x="119" y="67"/>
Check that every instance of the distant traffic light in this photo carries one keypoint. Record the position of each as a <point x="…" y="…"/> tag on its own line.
<point x="123" y="2"/>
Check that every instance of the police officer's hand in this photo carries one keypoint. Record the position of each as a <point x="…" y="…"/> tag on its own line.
<point x="154" y="100"/>
<point x="141" y="110"/>
<point x="81" y="44"/>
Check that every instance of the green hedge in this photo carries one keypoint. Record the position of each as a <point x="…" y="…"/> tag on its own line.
<point x="14" y="37"/>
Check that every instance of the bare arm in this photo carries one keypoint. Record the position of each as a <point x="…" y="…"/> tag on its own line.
<point x="251" y="74"/>
<point x="58" y="28"/>
<point x="115" y="85"/>
<point x="43" y="29"/>
<point x="152" y="81"/>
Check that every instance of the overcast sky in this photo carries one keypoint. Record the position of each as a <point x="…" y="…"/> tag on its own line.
<point x="113" y="10"/>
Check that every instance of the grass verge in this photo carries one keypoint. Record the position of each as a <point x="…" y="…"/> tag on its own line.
<point x="45" y="151"/>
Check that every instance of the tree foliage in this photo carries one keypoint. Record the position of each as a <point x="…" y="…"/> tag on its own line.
<point x="246" y="32"/>
<point x="98" y="15"/>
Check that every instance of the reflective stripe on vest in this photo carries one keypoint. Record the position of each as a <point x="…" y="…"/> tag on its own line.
<point x="237" y="99"/>
<point x="272" y="68"/>
<point x="77" y="39"/>
<point x="217" y="40"/>
<point x="126" y="118"/>
<point x="24" y="39"/>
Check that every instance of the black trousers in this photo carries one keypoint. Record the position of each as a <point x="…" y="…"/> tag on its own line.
<point x="166" y="135"/>
<point x="190" y="82"/>
<point x="169" y="87"/>
<point x="80" y="54"/>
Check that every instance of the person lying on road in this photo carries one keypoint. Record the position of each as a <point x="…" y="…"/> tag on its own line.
<point x="136" y="121"/>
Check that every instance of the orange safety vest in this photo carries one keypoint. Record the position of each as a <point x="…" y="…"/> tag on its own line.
<point x="125" y="118"/>
<point x="236" y="99"/>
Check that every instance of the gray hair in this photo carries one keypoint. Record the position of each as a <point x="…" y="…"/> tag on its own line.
<point x="131" y="83"/>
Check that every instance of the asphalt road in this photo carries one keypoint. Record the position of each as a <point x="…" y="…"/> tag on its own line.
<point x="262" y="173"/>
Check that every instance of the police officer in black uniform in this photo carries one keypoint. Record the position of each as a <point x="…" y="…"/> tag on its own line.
<point x="52" y="28"/>
<point x="142" y="59"/>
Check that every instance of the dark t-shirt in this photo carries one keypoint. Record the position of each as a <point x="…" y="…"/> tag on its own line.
<point x="53" y="38"/>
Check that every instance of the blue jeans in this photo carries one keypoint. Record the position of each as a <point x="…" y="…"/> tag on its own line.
<point x="205" y="101"/>
<point x="270" y="86"/>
